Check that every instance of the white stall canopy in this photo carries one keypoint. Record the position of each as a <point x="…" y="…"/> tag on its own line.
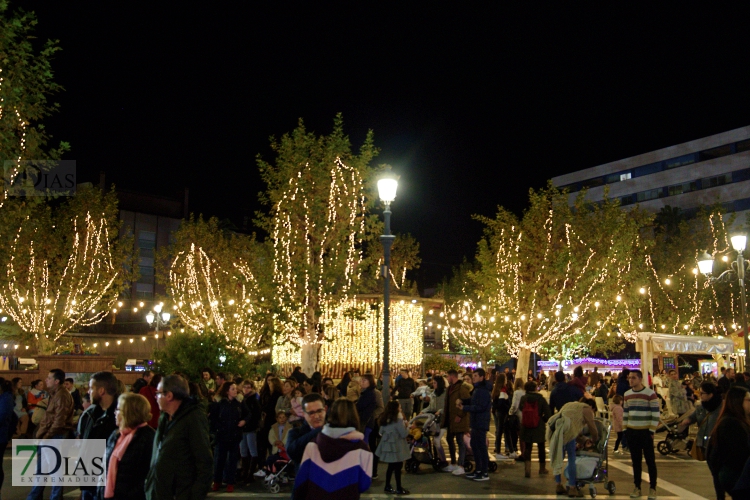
<point x="650" y="343"/>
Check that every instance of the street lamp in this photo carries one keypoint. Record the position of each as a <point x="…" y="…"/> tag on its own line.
<point x="160" y="318"/>
<point x="738" y="267"/>
<point x="387" y="191"/>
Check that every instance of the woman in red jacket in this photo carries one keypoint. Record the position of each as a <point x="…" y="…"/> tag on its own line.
<point x="149" y="392"/>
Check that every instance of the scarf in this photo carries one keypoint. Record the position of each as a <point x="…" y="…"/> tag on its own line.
<point x="126" y="436"/>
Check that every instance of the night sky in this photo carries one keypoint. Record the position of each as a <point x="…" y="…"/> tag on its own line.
<point x="472" y="104"/>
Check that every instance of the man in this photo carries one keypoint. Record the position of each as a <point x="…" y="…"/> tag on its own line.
<point x="142" y="382"/>
<point x="677" y="397"/>
<point x="479" y="407"/>
<point x="457" y="422"/>
<point x="640" y="418"/>
<point x="723" y="369"/>
<point x="221" y="377"/>
<point x="207" y="381"/>
<point x="298" y="375"/>
<point x="562" y="430"/>
<point x="181" y="462"/>
<point x="56" y="424"/>
<point x="69" y="384"/>
<point x="314" y="407"/>
<point x="563" y="393"/>
<point x="404" y="387"/>
<point x="98" y="421"/>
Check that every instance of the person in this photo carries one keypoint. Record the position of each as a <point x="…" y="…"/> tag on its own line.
<point x="658" y="383"/>
<point x="562" y="430"/>
<point x="129" y="449"/>
<point x="579" y="379"/>
<point x="367" y="404"/>
<point x="149" y="392"/>
<point x="207" y="381"/>
<point x="315" y="417"/>
<point x="457" y="422"/>
<point x="20" y="407"/>
<point x="221" y="377"/>
<point x="354" y="388"/>
<point x="227" y="417"/>
<point x="35" y="395"/>
<point x="330" y="393"/>
<point x="623" y="385"/>
<point x="729" y="445"/>
<point x="249" y="443"/>
<point x="705" y="415"/>
<point x="57" y="422"/>
<point x="277" y="436"/>
<point x="437" y="403"/>
<point x="640" y="419"/>
<point x="297" y="414"/>
<point x="98" y="421"/>
<point x="500" y="407"/>
<point x="339" y="448"/>
<point x="69" y="384"/>
<point x="533" y="429"/>
<point x="343" y="386"/>
<point x="298" y="375"/>
<point x="601" y="390"/>
<point x="6" y="409"/>
<point x="284" y="403"/>
<point x="513" y="422"/>
<point x="181" y="462"/>
<point x="268" y="414"/>
<point x="86" y="401"/>
<point x="563" y="393"/>
<point x="617" y="412"/>
<point x="142" y="382"/>
<point x="677" y="397"/>
<point x="393" y="449"/>
<point x="479" y="407"/>
<point x="404" y="388"/>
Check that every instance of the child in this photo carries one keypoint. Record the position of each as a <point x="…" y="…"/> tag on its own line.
<point x="297" y="412"/>
<point x="276" y="437"/>
<point x="393" y="449"/>
<point x="616" y="411"/>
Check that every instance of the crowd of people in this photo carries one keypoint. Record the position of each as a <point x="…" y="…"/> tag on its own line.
<point x="168" y="437"/>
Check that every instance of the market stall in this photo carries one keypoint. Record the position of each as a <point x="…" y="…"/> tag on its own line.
<point x="652" y="344"/>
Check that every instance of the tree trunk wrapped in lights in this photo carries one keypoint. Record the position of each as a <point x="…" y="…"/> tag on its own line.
<point x="561" y="274"/>
<point x="62" y="268"/>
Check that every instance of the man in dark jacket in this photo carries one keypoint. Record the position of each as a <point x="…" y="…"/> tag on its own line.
<point x="563" y="393"/>
<point x="479" y="407"/>
<point x="142" y="382"/>
<point x="404" y="388"/>
<point x="70" y="385"/>
<point x="314" y="407"/>
<point x="182" y="462"/>
<point x="98" y="421"/>
<point x="298" y="375"/>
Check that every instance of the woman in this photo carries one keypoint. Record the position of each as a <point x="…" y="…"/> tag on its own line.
<point x="6" y="409"/>
<point x="437" y="403"/>
<point x="354" y="388"/>
<point x="706" y="414"/>
<point x="729" y="445"/>
<point x="227" y="418"/>
<point x="36" y="394"/>
<point x="285" y="403"/>
<point x="128" y="455"/>
<point x="534" y="434"/>
<point x="344" y="450"/>
<point x="20" y="406"/>
<point x="268" y="414"/>
<point x="500" y="407"/>
<point x="514" y="424"/>
<point x="343" y="386"/>
<point x="149" y="392"/>
<point x="366" y="404"/>
<point x="579" y="380"/>
<point x="249" y="442"/>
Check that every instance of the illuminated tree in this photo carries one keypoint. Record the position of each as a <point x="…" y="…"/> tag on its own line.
<point x="64" y="265"/>
<point x="561" y="275"/>
<point x="404" y="258"/>
<point x="473" y="326"/>
<point x="316" y="189"/>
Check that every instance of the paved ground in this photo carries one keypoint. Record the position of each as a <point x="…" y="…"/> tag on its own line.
<point x="680" y="478"/>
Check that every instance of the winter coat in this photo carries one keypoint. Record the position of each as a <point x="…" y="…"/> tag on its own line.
<point x="535" y="435"/>
<point x="456" y="420"/>
<point x="297" y="440"/>
<point x="617" y="414"/>
<point x="404" y="388"/>
<point x="149" y="393"/>
<point x="677" y="397"/>
<point x="366" y="406"/>
<point x="181" y="458"/>
<point x="437" y="403"/>
<point x="252" y="409"/>
<point x="728" y="450"/>
<point x="224" y="417"/>
<point x="479" y="407"/>
<point x="95" y="423"/>
<point x="706" y="425"/>
<point x="58" y="420"/>
<point x="273" y="436"/>
<point x="562" y="394"/>
<point x="393" y="447"/>
<point x="284" y="404"/>
<point x="134" y="465"/>
<point x="269" y="408"/>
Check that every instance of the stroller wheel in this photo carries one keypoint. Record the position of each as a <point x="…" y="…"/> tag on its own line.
<point x="492" y="467"/>
<point x="611" y="487"/>
<point x="592" y="491"/>
<point x="664" y="448"/>
<point x="274" y="488"/>
<point x="468" y="466"/>
<point x="415" y="467"/>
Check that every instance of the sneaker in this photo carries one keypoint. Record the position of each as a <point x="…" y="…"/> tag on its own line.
<point x="618" y="452"/>
<point x="450" y="468"/>
<point x="513" y="455"/>
<point x="482" y="477"/>
<point x="500" y="457"/>
<point x="230" y="488"/>
<point x="651" y="494"/>
<point x="402" y="491"/>
<point x="260" y="473"/>
<point x="636" y="493"/>
<point x="472" y="475"/>
<point x="459" y="471"/>
<point x="374" y="477"/>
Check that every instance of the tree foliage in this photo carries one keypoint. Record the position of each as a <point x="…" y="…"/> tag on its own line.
<point x="438" y="362"/>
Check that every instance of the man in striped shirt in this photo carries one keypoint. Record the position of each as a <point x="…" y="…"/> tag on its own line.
<point x="640" y="418"/>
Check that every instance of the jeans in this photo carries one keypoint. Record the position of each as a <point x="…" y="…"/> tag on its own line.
<point x="88" y="492"/>
<point x="641" y="444"/>
<point x="407" y="407"/>
<point x="38" y="491"/>
<point x="459" y="437"/>
<point x="225" y="462"/>
<point x="499" y="425"/>
<point x="249" y="445"/>
<point x="438" y="441"/>
<point x="570" y="450"/>
<point x="479" y="448"/>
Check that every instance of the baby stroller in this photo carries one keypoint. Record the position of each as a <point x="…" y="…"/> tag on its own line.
<point x="599" y="460"/>
<point x="676" y="440"/>
<point x="469" y="460"/>
<point x="279" y="474"/>
<point x="423" y="428"/>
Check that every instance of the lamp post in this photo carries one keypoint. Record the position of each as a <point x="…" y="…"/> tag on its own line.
<point x="160" y="318"/>
<point x="387" y="191"/>
<point x="738" y="267"/>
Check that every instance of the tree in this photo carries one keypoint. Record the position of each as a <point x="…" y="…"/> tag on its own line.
<point x="211" y="276"/>
<point x="64" y="264"/>
<point x="318" y="196"/>
<point x="560" y="274"/>
<point x="404" y="258"/>
<point x="26" y="84"/>
<point x="440" y="363"/>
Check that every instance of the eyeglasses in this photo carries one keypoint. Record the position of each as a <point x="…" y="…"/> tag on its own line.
<point x="316" y="412"/>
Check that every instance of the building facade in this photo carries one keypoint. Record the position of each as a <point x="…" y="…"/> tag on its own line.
<point x="706" y="171"/>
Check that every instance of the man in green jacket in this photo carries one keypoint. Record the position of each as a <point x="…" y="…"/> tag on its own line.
<point x="181" y="462"/>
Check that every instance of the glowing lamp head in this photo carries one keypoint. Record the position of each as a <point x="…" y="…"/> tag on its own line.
<point x="165" y="316"/>
<point x="387" y="189"/>
<point x="157" y="308"/>
<point x="738" y="242"/>
<point x="150" y="318"/>
<point x="705" y="264"/>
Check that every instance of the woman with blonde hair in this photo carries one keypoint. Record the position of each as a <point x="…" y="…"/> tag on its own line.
<point x="128" y="455"/>
<point x="514" y="422"/>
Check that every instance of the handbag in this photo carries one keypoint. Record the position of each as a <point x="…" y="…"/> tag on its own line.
<point x="696" y="451"/>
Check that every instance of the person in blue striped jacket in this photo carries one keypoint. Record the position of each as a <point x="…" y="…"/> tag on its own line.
<point x="640" y="419"/>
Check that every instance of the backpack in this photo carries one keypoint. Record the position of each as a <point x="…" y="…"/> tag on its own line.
<point x="530" y="415"/>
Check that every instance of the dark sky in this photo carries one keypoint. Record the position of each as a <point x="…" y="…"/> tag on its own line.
<point x="472" y="104"/>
